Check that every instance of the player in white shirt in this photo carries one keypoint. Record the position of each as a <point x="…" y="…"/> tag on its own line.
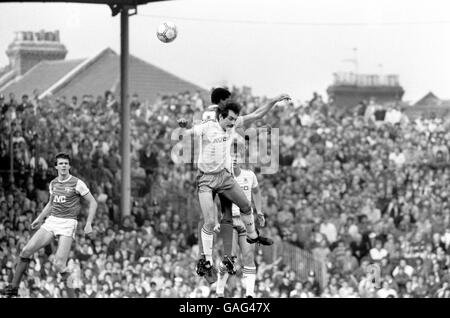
<point x="219" y="96"/>
<point x="249" y="184"/>
<point x="214" y="172"/>
<point x="210" y="113"/>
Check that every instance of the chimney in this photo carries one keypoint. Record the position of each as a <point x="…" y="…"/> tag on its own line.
<point x="29" y="48"/>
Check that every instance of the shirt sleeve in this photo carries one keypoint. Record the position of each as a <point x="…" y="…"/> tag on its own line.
<point x="198" y="129"/>
<point x="208" y="115"/>
<point x="81" y="188"/>
<point x="254" y="180"/>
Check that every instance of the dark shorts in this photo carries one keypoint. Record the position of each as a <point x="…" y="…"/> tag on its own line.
<point x="215" y="182"/>
<point x="228" y="217"/>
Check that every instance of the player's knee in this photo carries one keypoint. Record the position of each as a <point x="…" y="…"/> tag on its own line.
<point x="246" y="209"/>
<point x="209" y="224"/>
<point x="26" y="252"/>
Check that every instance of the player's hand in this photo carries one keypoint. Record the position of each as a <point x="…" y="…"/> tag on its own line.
<point x="36" y="223"/>
<point x="260" y="220"/>
<point x="217" y="228"/>
<point x="182" y="122"/>
<point x="281" y="97"/>
<point x="88" y="229"/>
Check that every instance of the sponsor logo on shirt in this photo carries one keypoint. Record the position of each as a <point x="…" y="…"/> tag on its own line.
<point x="219" y="139"/>
<point x="59" y="199"/>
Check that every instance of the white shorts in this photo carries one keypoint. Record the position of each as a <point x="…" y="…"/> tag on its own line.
<point x="60" y="226"/>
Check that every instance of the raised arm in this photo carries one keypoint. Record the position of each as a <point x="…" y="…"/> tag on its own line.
<point x="263" y="110"/>
<point x="45" y="211"/>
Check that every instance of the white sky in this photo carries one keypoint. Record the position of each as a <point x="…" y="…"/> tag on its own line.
<point x="291" y="50"/>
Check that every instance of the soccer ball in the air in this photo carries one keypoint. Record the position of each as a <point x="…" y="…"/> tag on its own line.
<point x="167" y="32"/>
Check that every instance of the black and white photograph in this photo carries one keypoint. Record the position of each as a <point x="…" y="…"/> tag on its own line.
<point x="250" y="150"/>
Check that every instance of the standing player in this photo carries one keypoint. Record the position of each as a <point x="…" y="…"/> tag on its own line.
<point x="62" y="209"/>
<point x="214" y="173"/>
<point x="249" y="184"/>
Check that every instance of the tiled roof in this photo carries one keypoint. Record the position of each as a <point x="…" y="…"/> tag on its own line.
<point x="427" y="105"/>
<point x="148" y="80"/>
<point x="103" y="74"/>
<point x="40" y="77"/>
<point x="430" y="100"/>
<point x="96" y="75"/>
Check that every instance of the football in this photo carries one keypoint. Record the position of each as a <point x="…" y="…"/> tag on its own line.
<point x="167" y="32"/>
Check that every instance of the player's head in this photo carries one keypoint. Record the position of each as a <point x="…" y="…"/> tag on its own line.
<point x="220" y="96"/>
<point x="236" y="164"/>
<point x="62" y="163"/>
<point x="227" y="114"/>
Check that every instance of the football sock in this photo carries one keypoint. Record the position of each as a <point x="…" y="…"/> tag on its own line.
<point x="200" y="245"/>
<point x="207" y="242"/>
<point x="249" y="278"/>
<point x="221" y="282"/>
<point x="249" y="222"/>
<point x="226" y="231"/>
<point x="21" y="267"/>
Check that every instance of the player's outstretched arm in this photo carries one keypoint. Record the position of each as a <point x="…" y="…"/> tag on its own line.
<point x="45" y="211"/>
<point x="91" y="213"/>
<point x="263" y="110"/>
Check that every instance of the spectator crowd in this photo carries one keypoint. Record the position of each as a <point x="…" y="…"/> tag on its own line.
<point x="360" y="191"/>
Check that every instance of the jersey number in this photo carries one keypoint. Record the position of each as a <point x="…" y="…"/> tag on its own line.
<point x="59" y="199"/>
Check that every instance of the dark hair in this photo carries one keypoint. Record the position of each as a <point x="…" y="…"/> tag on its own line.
<point x="61" y="155"/>
<point x="107" y="93"/>
<point x="223" y="110"/>
<point x="219" y="94"/>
